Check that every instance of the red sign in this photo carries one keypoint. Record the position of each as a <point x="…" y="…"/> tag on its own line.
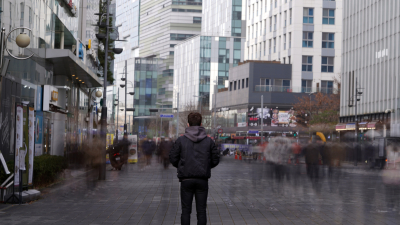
<point x="253" y="118"/>
<point x="220" y="131"/>
<point x="70" y="3"/>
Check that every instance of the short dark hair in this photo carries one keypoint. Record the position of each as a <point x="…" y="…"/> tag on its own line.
<point x="194" y="119"/>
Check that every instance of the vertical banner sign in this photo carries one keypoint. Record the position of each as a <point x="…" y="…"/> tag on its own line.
<point x="19" y="114"/>
<point x="31" y="143"/>
<point x="39" y="134"/>
<point x="25" y="145"/>
<point x="132" y="152"/>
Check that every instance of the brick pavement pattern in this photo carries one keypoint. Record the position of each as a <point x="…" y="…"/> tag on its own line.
<point x="240" y="193"/>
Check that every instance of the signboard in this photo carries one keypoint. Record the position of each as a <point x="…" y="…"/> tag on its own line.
<point x="31" y="144"/>
<point x="235" y="147"/>
<point x="258" y="114"/>
<point x="19" y="114"/>
<point x="133" y="153"/>
<point x="253" y="132"/>
<point x="283" y="118"/>
<point x="166" y="116"/>
<point x="220" y="131"/>
<point x="109" y="141"/>
<point x="39" y="134"/>
<point x="242" y="124"/>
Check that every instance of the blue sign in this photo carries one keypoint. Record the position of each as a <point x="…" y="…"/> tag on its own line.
<point x="166" y="116"/>
<point x="39" y="99"/>
<point x="253" y="132"/>
<point x="81" y="51"/>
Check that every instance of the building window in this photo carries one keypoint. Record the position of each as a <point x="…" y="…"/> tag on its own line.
<point x="171" y="53"/>
<point x="290" y="40"/>
<point x="238" y="84"/>
<point x="256" y="29"/>
<point x="196" y="19"/>
<point x="284" y="60"/>
<point x="284" y="42"/>
<point x="275" y="21"/>
<point x="327" y="87"/>
<point x="308" y="15"/>
<point x="234" y="85"/>
<point x="270" y="24"/>
<point x="276" y="3"/>
<point x="230" y="86"/>
<point x="289" y="59"/>
<point x="247" y="82"/>
<point x="284" y="14"/>
<point x="264" y="81"/>
<point x="265" y="48"/>
<point x="328" y="40"/>
<point x="327" y="64"/>
<point x="270" y="46"/>
<point x="290" y="16"/>
<point x="308" y="39"/>
<point x="242" y="83"/>
<point x="172" y="45"/>
<point x="328" y="16"/>
<point x="307" y="63"/>
<point x="306" y="86"/>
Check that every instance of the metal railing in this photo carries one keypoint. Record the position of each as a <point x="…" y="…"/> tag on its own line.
<point x="289" y="89"/>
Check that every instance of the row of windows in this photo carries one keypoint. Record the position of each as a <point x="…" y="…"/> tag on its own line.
<point x="180" y="37"/>
<point x="328" y="16"/>
<point x="186" y="2"/>
<point x="327" y="64"/>
<point x="233" y="85"/>
<point x="255" y="7"/>
<point x="326" y="86"/>
<point x="328" y="40"/>
<point x="186" y="10"/>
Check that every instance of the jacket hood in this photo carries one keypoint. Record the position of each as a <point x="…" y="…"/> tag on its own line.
<point x="195" y="133"/>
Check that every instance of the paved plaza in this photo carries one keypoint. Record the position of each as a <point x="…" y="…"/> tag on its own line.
<point x="240" y="193"/>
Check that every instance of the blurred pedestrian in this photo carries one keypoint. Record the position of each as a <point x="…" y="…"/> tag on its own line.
<point x="194" y="154"/>
<point x="165" y="147"/>
<point x="149" y="147"/>
<point x="311" y="153"/>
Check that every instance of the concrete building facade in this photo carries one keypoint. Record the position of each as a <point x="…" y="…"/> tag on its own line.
<point x="163" y="24"/>
<point x="371" y="55"/>
<point x="304" y="33"/>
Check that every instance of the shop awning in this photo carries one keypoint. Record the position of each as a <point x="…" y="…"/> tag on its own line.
<point x="65" y="63"/>
<point x="363" y="125"/>
<point x="350" y="126"/>
<point x="253" y="138"/>
<point x="238" y="137"/>
<point x="340" y="126"/>
<point x="223" y="137"/>
<point x="371" y="125"/>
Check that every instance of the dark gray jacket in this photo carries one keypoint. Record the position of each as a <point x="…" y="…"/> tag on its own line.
<point x="194" y="154"/>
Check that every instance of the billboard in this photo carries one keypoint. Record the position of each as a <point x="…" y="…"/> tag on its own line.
<point x="256" y="114"/>
<point x="283" y="118"/>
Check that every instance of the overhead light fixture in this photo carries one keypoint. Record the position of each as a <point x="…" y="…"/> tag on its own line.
<point x="25" y="86"/>
<point x="77" y="78"/>
<point x="73" y="75"/>
<point x="83" y="82"/>
<point x="80" y="80"/>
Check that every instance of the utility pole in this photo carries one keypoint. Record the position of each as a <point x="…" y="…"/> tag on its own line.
<point x="103" y="133"/>
<point x="116" y="131"/>
<point x="126" y="87"/>
<point x="177" y="116"/>
<point x="262" y="118"/>
<point x="356" y="120"/>
<point x="215" y="110"/>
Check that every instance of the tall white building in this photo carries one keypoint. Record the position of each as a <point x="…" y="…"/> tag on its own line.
<point x="204" y="61"/>
<point x="371" y="56"/>
<point x="127" y="23"/>
<point x="304" y="33"/>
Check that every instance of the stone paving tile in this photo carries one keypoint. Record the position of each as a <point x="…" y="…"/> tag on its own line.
<point x="240" y="193"/>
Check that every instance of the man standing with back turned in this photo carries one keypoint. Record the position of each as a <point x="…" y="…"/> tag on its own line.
<point x="194" y="154"/>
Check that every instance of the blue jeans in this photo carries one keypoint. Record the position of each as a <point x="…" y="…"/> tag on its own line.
<point x="199" y="189"/>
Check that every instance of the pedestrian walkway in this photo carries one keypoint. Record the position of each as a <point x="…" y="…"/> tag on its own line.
<point x="240" y="193"/>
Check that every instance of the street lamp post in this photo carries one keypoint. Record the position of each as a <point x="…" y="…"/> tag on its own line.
<point x="356" y="95"/>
